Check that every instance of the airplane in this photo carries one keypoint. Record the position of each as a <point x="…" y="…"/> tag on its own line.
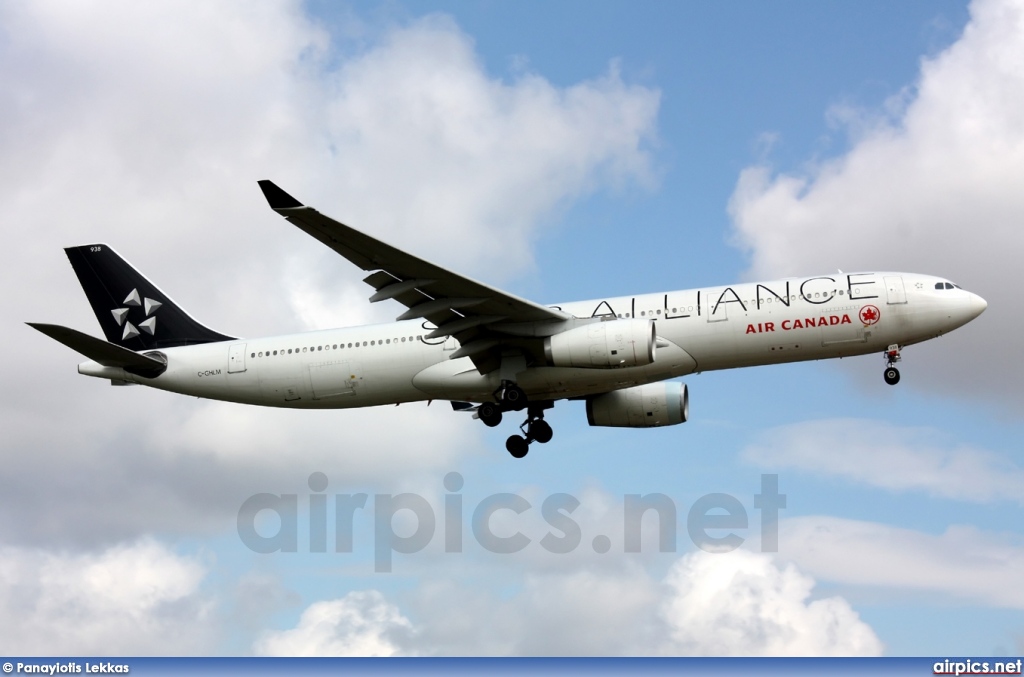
<point x="490" y="352"/>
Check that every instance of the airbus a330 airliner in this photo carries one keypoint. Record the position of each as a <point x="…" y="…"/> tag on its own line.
<point x="490" y="352"/>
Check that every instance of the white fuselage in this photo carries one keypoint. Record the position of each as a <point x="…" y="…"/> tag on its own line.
<point x="741" y="325"/>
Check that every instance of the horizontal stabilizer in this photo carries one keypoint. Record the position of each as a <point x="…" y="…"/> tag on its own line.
<point x="98" y="350"/>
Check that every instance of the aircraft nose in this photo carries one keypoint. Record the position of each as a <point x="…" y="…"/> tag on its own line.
<point x="978" y="305"/>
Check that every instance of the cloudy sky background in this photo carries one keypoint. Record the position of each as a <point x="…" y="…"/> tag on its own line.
<point x="561" y="152"/>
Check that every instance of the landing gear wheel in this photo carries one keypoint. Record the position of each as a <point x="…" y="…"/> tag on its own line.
<point x="892" y="356"/>
<point x="517" y="445"/>
<point x="541" y="431"/>
<point x="513" y="397"/>
<point x="489" y="413"/>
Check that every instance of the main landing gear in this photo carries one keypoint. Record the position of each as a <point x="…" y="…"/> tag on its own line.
<point x="892" y="356"/>
<point x="512" y="398"/>
<point x="535" y="429"/>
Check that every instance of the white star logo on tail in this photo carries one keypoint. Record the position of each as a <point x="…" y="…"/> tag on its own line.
<point x="148" y="325"/>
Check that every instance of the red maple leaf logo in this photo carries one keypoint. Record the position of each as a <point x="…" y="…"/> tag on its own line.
<point x="869" y="314"/>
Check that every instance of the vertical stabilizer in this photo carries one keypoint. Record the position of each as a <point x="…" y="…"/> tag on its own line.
<point x="131" y="310"/>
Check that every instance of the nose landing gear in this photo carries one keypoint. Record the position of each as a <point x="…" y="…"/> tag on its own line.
<point x="892" y="356"/>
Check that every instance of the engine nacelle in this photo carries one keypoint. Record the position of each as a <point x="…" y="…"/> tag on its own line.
<point x="603" y="345"/>
<point x="646" y="406"/>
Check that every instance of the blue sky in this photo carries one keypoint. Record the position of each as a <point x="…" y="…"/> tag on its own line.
<point x="717" y="143"/>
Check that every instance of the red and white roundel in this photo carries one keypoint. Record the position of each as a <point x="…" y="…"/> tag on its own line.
<point x="869" y="315"/>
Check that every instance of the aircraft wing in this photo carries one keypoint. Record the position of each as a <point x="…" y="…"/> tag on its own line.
<point x="458" y="306"/>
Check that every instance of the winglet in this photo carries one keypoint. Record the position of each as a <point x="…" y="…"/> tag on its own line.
<point x="277" y="198"/>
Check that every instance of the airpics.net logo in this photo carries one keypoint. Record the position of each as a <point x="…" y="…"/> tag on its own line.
<point x="270" y="523"/>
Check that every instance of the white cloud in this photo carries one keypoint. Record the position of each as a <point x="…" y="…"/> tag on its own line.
<point x="738" y="603"/>
<point x="137" y="598"/>
<point x="146" y="127"/>
<point x="477" y="161"/>
<point x="891" y="457"/>
<point x="584" y="612"/>
<point x="931" y="185"/>
<point x="337" y="443"/>
<point x="962" y="562"/>
<point x="742" y="603"/>
<point x="359" y="624"/>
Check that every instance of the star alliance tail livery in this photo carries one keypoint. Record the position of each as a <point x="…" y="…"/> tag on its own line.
<point x="490" y="352"/>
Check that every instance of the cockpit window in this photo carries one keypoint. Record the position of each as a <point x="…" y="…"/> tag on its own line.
<point x="949" y="285"/>
<point x="938" y="285"/>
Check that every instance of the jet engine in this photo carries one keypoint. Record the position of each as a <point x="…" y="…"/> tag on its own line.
<point x="646" y="406"/>
<point x="604" y="345"/>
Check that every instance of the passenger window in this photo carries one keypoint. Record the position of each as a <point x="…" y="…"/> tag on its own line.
<point x="364" y="344"/>
<point x="403" y="339"/>
<point x="389" y="341"/>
